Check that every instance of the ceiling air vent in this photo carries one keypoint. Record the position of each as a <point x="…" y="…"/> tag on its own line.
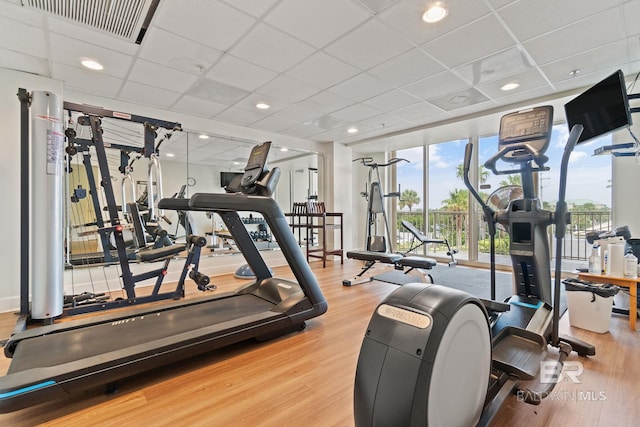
<point x="127" y="19"/>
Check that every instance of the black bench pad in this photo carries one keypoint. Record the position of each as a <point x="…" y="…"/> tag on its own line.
<point x="374" y="256"/>
<point x="147" y="255"/>
<point x="417" y="262"/>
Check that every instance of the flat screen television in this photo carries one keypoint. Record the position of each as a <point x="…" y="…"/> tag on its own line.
<point x="227" y="177"/>
<point x="601" y="109"/>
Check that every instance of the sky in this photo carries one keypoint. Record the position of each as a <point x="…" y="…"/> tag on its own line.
<point x="588" y="179"/>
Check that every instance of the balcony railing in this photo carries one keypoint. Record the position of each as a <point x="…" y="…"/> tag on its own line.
<point x="454" y="226"/>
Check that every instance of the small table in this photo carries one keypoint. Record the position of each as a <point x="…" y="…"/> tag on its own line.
<point x="626" y="282"/>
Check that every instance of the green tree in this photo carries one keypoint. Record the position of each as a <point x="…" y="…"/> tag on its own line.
<point x="512" y="180"/>
<point x="408" y="199"/>
<point x="483" y="174"/>
<point x="458" y="201"/>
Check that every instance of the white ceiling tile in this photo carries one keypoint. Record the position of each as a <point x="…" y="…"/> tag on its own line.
<point x="307" y="19"/>
<point x="583" y="35"/>
<point x="407" y="68"/>
<point x="177" y="52"/>
<point x="239" y="73"/>
<point x="221" y="93"/>
<point x="501" y="3"/>
<point x="275" y="123"/>
<point x="382" y="121"/>
<point x="355" y="113"/>
<point x="325" y="102"/>
<point x="583" y="80"/>
<point x="495" y="66"/>
<point x="339" y="133"/>
<point x="479" y="39"/>
<point x="369" y="45"/>
<point x="249" y="103"/>
<point x="392" y="100"/>
<point x="255" y="8"/>
<point x="160" y="76"/>
<point x="322" y="70"/>
<point x="23" y="38"/>
<point x="527" y="22"/>
<point x="631" y="12"/>
<point x="299" y="113"/>
<point x="70" y="51"/>
<point x="16" y="12"/>
<point x="436" y="86"/>
<point x="208" y="22"/>
<point x="421" y="111"/>
<point x="406" y="18"/>
<point x="587" y="62"/>
<point x="527" y="80"/>
<point x="302" y="131"/>
<point x="361" y="87"/>
<point x="84" y="32"/>
<point x="197" y="106"/>
<point x="87" y="81"/>
<point x="287" y="89"/>
<point x="21" y="62"/>
<point x="462" y="98"/>
<point x="239" y="116"/>
<point x="270" y="48"/>
<point x="142" y="94"/>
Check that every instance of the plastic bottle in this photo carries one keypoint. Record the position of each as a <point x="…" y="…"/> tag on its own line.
<point x="630" y="265"/>
<point x="595" y="262"/>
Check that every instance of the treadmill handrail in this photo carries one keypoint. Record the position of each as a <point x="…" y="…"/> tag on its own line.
<point x="278" y="224"/>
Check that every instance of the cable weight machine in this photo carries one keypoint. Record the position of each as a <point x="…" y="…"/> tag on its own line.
<point x="374" y="196"/>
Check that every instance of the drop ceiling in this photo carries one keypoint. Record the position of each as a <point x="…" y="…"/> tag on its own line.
<point x="327" y="65"/>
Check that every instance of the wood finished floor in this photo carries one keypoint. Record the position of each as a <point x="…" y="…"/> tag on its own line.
<point x="306" y="379"/>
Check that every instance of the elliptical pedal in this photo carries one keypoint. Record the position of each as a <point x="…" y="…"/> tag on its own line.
<point x="518" y="352"/>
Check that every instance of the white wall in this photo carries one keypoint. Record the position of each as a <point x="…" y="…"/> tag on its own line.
<point x="625" y="179"/>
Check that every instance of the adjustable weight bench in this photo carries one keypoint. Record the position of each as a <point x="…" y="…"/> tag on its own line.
<point x="424" y="240"/>
<point x="398" y="261"/>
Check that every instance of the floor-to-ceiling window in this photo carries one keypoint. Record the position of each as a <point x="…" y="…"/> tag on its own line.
<point x="448" y="197"/>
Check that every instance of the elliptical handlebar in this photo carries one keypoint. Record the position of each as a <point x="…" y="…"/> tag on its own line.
<point x="486" y="210"/>
<point x="489" y="215"/>
<point x="539" y="158"/>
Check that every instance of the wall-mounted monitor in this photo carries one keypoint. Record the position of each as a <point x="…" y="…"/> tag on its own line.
<point x="227" y="177"/>
<point x="601" y="109"/>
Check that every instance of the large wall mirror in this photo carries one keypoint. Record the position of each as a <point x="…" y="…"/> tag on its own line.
<point x="189" y="161"/>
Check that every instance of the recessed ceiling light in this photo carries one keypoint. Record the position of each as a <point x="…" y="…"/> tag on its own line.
<point x="352" y="129"/>
<point x="574" y="73"/>
<point x="284" y="149"/>
<point x="170" y="155"/>
<point x="510" y="86"/>
<point x="262" y="106"/>
<point x="203" y="136"/>
<point x="436" y="12"/>
<point x="91" y="64"/>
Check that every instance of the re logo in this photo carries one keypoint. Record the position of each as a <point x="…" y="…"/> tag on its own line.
<point x="552" y="371"/>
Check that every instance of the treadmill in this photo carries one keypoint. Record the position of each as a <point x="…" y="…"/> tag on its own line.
<point x="60" y="360"/>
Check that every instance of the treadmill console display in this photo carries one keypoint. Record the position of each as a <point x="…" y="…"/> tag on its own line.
<point x="530" y="127"/>
<point x="256" y="164"/>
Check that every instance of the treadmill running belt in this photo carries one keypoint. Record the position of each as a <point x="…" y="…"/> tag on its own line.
<point x="60" y="348"/>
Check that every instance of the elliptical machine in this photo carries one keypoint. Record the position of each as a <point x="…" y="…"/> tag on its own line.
<point x="435" y="356"/>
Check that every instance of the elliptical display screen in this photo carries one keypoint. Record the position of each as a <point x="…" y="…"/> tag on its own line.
<point x="532" y="127"/>
<point x="601" y="109"/>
